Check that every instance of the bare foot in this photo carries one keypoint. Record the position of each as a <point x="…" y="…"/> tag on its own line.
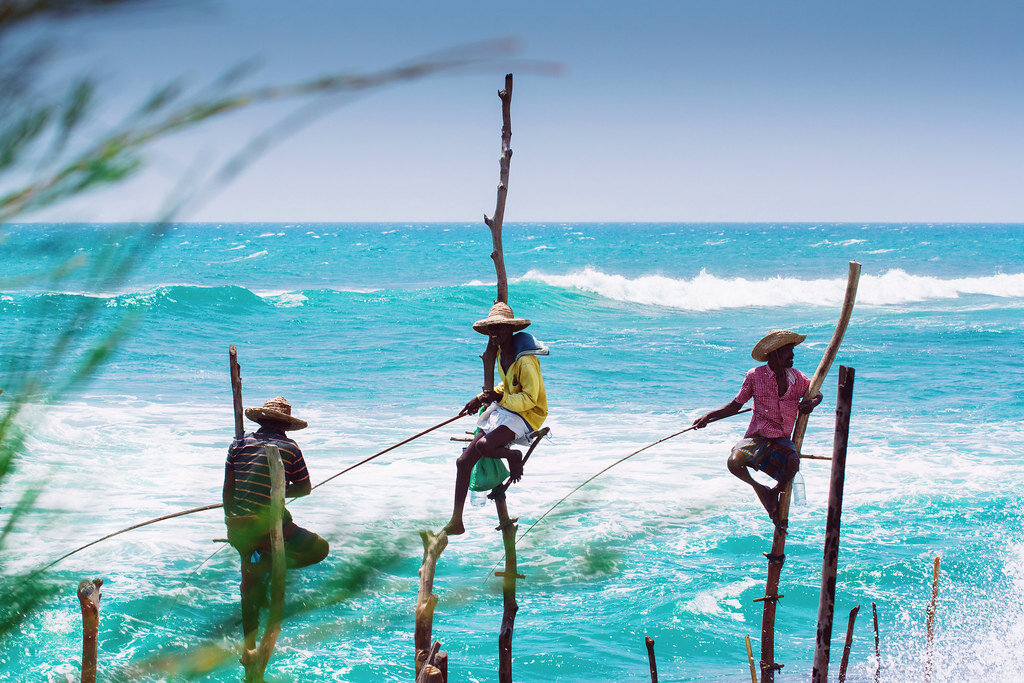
<point x="515" y="464"/>
<point x="769" y="500"/>
<point x="454" y="528"/>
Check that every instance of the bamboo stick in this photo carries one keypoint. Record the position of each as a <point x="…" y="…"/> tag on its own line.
<point x="650" y="658"/>
<point x="849" y="644"/>
<point x="778" y="551"/>
<point x="931" y="621"/>
<point x="89" y="597"/>
<point x="426" y="601"/>
<point x="830" y="555"/>
<point x="750" y="660"/>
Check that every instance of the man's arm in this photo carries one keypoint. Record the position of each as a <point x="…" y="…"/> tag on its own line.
<point x="729" y="409"/>
<point x="297" y="489"/>
<point x="809" y="404"/>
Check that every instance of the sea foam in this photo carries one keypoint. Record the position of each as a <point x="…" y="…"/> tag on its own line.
<point x="709" y="292"/>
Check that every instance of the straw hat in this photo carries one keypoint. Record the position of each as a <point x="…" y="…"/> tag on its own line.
<point x="775" y="339"/>
<point x="500" y="314"/>
<point x="276" y="410"/>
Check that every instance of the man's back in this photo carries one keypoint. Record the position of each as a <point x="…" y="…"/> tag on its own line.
<point x="247" y="460"/>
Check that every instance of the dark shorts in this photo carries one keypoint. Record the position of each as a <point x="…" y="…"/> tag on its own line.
<point x="302" y="547"/>
<point x="770" y="456"/>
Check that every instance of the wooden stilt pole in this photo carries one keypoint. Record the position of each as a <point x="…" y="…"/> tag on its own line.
<point x="878" y="650"/>
<point x="778" y="552"/>
<point x="507" y="526"/>
<point x="236" y="389"/>
<point x="849" y="644"/>
<point x="89" y="597"/>
<point x="426" y="601"/>
<point x="255" y="660"/>
<point x="830" y="560"/>
<point x="650" y="658"/>
<point x="931" y="621"/>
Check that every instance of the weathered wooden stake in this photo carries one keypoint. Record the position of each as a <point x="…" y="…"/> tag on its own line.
<point x="878" y="650"/>
<point x="650" y="658"/>
<point x="830" y="560"/>
<point x="89" y="597"/>
<point x="507" y="526"/>
<point x="931" y="621"/>
<point x="426" y="600"/>
<point x="236" y="388"/>
<point x="434" y="668"/>
<point x="495" y="222"/>
<point x="778" y="552"/>
<point x="255" y="660"/>
<point x="750" y="660"/>
<point x="849" y="643"/>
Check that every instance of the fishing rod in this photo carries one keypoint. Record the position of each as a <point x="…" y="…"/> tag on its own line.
<point x="215" y="506"/>
<point x="620" y="460"/>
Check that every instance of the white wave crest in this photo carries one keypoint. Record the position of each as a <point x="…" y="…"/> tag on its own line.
<point x="707" y="292"/>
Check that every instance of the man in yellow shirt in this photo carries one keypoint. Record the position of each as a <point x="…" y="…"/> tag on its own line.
<point x="515" y="408"/>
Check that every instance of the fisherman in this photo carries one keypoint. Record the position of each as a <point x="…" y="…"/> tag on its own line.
<point x="247" y="504"/>
<point x="514" y="409"/>
<point x="778" y="392"/>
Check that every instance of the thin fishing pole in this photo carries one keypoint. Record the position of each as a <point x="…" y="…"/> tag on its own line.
<point x="566" y="496"/>
<point x="220" y="505"/>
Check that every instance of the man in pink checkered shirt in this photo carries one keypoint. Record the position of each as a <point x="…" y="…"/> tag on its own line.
<point x="778" y="391"/>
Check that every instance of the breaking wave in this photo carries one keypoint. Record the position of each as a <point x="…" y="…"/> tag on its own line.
<point x="708" y="292"/>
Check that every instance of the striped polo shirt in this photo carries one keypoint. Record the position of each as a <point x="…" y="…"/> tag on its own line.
<point x="247" y="459"/>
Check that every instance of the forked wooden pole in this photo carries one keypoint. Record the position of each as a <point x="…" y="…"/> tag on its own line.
<point x="495" y="222"/>
<point x="830" y="559"/>
<point x="778" y="551"/>
<point x="931" y="621"/>
<point x="89" y="597"/>
<point x="426" y="600"/>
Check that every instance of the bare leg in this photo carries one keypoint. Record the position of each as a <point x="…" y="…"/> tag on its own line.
<point x="769" y="497"/>
<point x="483" y="446"/>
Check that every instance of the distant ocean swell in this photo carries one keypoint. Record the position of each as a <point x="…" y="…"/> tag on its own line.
<point x="704" y="292"/>
<point x="708" y="292"/>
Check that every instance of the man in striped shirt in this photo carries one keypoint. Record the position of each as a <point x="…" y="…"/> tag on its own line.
<point x="247" y="504"/>
<point x="778" y="391"/>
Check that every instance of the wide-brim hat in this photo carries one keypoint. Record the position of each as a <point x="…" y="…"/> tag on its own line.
<point x="775" y="339"/>
<point x="276" y="410"/>
<point x="500" y="314"/>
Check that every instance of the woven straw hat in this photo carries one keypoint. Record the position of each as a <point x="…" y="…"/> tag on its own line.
<point x="500" y="314"/>
<point x="775" y="339"/>
<point x="276" y="410"/>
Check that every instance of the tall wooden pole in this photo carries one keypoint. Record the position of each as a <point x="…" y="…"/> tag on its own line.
<point x="495" y="222"/>
<point x="650" y="658"/>
<point x="931" y="621"/>
<point x="236" y="389"/>
<point x="507" y="526"/>
<point x="89" y="597"/>
<point x="778" y="552"/>
<point x="830" y="560"/>
<point x="878" y="649"/>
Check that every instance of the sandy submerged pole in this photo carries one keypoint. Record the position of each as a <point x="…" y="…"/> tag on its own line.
<point x="89" y="597"/>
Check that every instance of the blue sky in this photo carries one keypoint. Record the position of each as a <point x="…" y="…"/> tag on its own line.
<point x="676" y="111"/>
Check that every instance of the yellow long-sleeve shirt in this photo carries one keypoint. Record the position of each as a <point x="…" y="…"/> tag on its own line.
<point x="522" y="390"/>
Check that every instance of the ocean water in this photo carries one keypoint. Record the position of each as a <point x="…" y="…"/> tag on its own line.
<point x="366" y="330"/>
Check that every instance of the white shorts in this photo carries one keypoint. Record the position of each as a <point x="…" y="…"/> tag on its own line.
<point x="495" y="416"/>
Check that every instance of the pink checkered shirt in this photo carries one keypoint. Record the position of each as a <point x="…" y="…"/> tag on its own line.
<point x="773" y="416"/>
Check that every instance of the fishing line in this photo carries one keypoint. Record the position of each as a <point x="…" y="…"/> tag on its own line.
<point x="620" y="460"/>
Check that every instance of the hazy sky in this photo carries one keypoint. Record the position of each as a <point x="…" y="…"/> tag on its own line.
<point x="681" y="111"/>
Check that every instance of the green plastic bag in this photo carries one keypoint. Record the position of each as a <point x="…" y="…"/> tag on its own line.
<point x="487" y="474"/>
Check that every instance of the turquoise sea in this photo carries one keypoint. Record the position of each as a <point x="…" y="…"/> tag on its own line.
<point x="365" y="328"/>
